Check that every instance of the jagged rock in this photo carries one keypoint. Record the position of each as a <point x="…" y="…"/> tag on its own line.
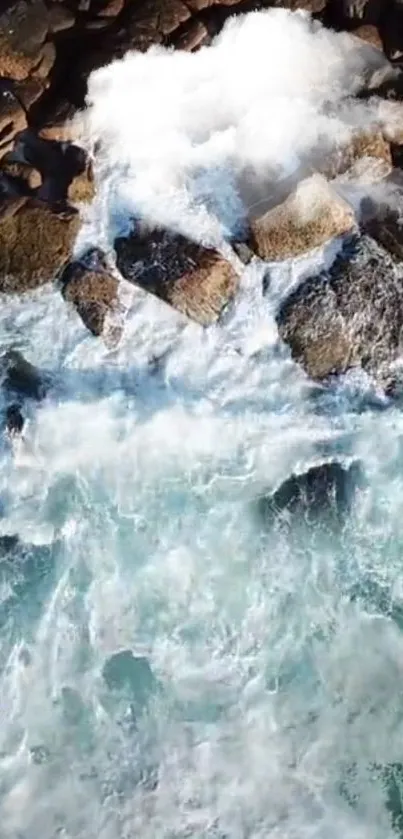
<point x="20" y="377"/>
<point x="197" y="281"/>
<point x="34" y="243"/>
<point x="12" y="116"/>
<point x="309" y="217"/>
<point x="90" y="287"/>
<point x="348" y="316"/>
<point x="324" y="490"/>
<point x="23" y="29"/>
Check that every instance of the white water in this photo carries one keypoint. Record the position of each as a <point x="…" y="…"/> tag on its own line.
<point x="278" y="666"/>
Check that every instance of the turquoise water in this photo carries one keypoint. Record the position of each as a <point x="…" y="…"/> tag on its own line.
<point x="262" y="695"/>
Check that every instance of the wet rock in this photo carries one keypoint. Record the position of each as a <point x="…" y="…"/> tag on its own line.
<point x="312" y="215"/>
<point x="197" y="281"/>
<point x="21" y="174"/>
<point x="12" y="116"/>
<point x="386" y="227"/>
<point x="193" y="36"/>
<point x="82" y="187"/>
<point x="370" y="34"/>
<point x="60" y="17"/>
<point x="124" y="671"/>
<point x="34" y="244"/>
<point x="55" y="121"/>
<point x="14" y="420"/>
<point x="20" y="377"/>
<point x="351" y="315"/>
<point x="90" y="287"/>
<point x="40" y="754"/>
<point x="363" y="146"/>
<point x="23" y="29"/>
<point x="324" y="490"/>
<point x="58" y="163"/>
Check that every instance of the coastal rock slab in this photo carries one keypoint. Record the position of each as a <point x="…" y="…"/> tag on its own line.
<point x="197" y="281"/>
<point x="34" y="243"/>
<point x="349" y="316"/>
<point x="312" y="215"/>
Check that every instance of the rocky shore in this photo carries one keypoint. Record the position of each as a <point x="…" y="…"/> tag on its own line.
<point x="352" y="316"/>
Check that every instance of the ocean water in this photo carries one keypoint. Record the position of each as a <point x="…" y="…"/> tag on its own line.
<point x="171" y="667"/>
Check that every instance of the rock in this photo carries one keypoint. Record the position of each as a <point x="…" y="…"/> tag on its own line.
<point x="12" y="116"/>
<point x="324" y="490"/>
<point x="20" y="377"/>
<point x="125" y="672"/>
<point x="21" y="173"/>
<point x="34" y="243"/>
<point x="369" y="11"/>
<point x="46" y="61"/>
<point x="60" y="17"/>
<point x="14" y="420"/>
<point x="82" y="187"/>
<point x="55" y="122"/>
<point x="93" y="291"/>
<point x="369" y="34"/>
<point x="363" y="145"/>
<point x="23" y="29"/>
<point x="348" y="316"/>
<point x="312" y="215"/>
<point x="193" y="36"/>
<point x="197" y="281"/>
<point x="386" y="227"/>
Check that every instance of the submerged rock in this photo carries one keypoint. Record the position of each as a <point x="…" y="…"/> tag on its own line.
<point x="20" y="377"/>
<point x="197" y="281"/>
<point x="327" y="489"/>
<point x="124" y="671"/>
<point x="348" y="316"/>
<point x="312" y="215"/>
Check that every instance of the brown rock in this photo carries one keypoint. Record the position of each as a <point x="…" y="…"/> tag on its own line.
<point x="46" y="61"/>
<point x="34" y="243"/>
<point x="21" y="172"/>
<point x="109" y="8"/>
<point x="349" y="316"/>
<point x="56" y="123"/>
<point x="12" y="116"/>
<point x="60" y="17"/>
<point x="23" y="29"/>
<point x="368" y="144"/>
<point x="309" y="217"/>
<point x="369" y="34"/>
<point x="90" y="287"/>
<point x="197" y="281"/>
<point x="153" y="20"/>
<point x="82" y="188"/>
<point x="193" y="36"/>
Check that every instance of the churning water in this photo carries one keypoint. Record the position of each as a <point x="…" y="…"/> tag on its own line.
<point x="263" y="697"/>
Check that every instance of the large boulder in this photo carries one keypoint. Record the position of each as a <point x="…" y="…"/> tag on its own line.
<point x="312" y="215"/>
<point x="23" y="30"/>
<point x="348" y="316"/>
<point x="34" y="243"/>
<point x="197" y="281"/>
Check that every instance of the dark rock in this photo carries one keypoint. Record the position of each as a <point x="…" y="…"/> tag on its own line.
<point x="14" y="420"/>
<point x="21" y="377"/>
<point x="324" y="491"/>
<point x="348" y="316"/>
<point x="197" y="281"/>
<point x="39" y="754"/>
<point x="14" y="193"/>
<point x="58" y="163"/>
<point x="132" y="674"/>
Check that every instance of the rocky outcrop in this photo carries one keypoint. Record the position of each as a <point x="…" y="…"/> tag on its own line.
<point x="197" y="281"/>
<point x="21" y="378"/>
<point x="312" y="215"/>
<point x="324" y="492"/>
<point x="351" y="315"/>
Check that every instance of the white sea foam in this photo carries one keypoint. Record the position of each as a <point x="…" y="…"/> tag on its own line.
<point x="277" y="660"/>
